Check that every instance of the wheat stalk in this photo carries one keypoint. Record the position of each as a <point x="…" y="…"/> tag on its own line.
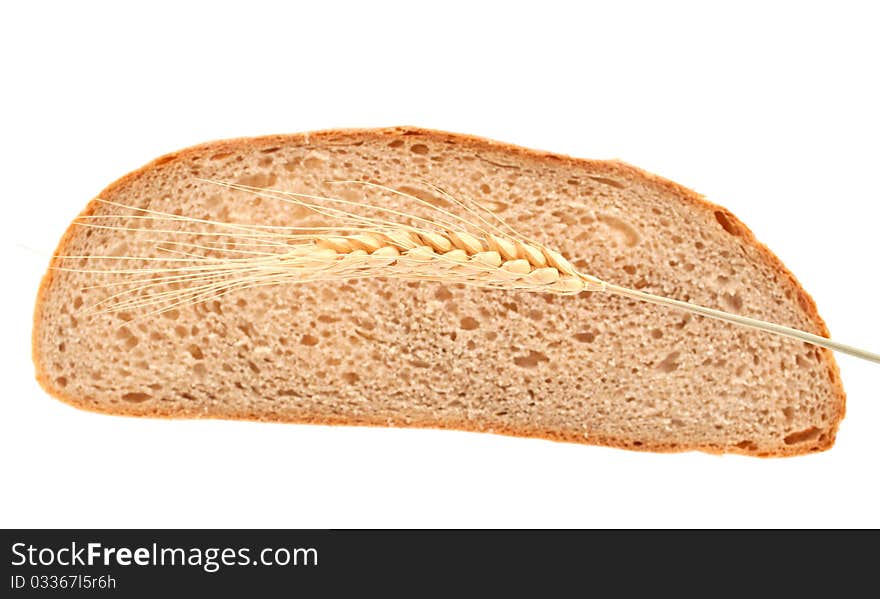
<point x="480" y="250"/>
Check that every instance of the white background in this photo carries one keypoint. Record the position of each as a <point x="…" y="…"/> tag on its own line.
<point x="770" y="109"/>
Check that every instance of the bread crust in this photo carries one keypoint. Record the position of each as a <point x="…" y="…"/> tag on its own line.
<point x="612" y="168"/>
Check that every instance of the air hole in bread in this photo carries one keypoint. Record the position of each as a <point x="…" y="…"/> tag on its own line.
<point x="726" y="224"/>
<point x="442" y="293"/>
<point x="313" y="163"/>
<point x="136" y="397"/>
<point x="129" y="340"/>
<point x="420" y="149"/>
<point x="424" y="195"/>
<point x="656" y="333"/>
<point x="732" y="301"/>
<point x="669" y="363"/>
<point x="530" y="360"/>
<point x="350" y="377"/>
<point x="196" y="352"/>
<point x="565" y="217"/>
<point x="396" y="143"/>
<point x="308" y="340"/>
<point x="364" y="323"/>
<point x="747" y="445"/>
<point x="469" y="324"/>
<point x="61" y="381"/>
<point x="788" y="413"/>
<point x="495" y="206"/>
<point x="623" y="232"/>
<point x="607" y="181"/>
<point x="803" y="436"/>
<point x="629" y="269"/>
<point x="585" y="337"/>
<point x="258" y="180"/>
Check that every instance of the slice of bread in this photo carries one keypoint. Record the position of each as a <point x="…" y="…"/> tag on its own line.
<point x="592" y="368"/>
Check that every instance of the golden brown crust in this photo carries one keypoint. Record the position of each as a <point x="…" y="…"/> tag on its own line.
<point x="612" y="168"/>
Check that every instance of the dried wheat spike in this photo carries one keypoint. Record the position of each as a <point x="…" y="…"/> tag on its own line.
<point x="479" y="249"/>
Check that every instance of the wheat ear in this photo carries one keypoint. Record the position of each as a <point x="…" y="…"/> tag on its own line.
<point x="480" y="249"/>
